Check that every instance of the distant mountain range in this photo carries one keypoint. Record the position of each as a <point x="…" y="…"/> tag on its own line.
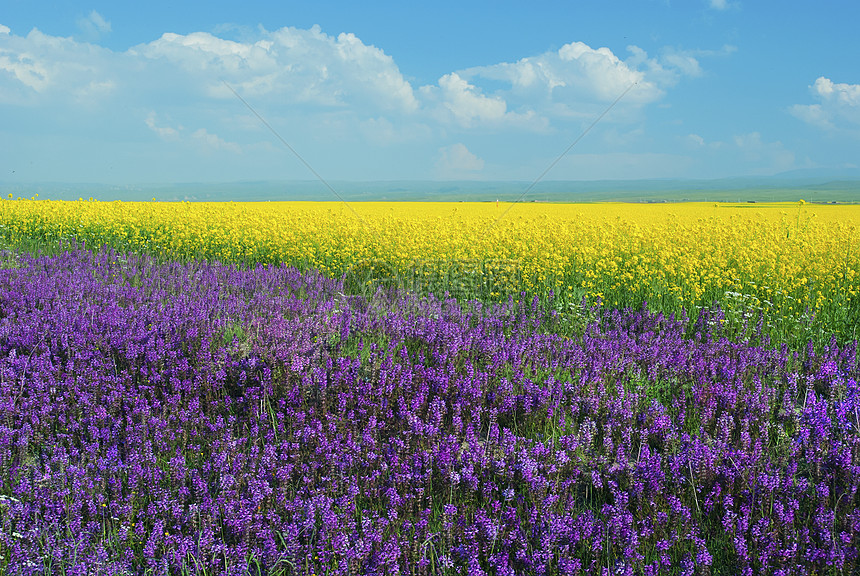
<point x="842" y="185"/>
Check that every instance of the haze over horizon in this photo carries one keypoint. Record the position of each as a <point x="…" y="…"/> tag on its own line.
<point x="131" y="94"/>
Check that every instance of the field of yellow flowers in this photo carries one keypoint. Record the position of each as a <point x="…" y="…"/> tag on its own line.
<point x="787" y="261"/>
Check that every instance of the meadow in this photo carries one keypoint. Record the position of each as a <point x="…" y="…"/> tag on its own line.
<point x="384" y="388"/>
<point x="795" y="264"/>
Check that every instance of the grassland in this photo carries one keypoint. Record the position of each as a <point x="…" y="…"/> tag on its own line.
<point x="794" y="264"/>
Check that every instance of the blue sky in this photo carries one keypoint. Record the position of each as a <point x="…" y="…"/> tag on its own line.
<point x="131" y="93"/>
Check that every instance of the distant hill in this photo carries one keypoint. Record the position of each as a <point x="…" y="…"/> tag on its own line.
<point x="810" y="185"/>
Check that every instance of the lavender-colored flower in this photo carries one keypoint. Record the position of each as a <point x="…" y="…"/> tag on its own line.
<point x="155" y="416"/>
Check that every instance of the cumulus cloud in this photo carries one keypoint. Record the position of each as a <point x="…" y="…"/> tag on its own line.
<point x="574" y="73"/>
<point x="575" y="81"/>
<point x="30" y="72"/>
<point x="467" y="103"/>
<point x="838" y="107"/>
<point x="315" y="71"/>
<point x="844" y="94"/>
<point x="456" y="161"/>
<point x="330" y="90"/>
<point x="598" y="69"/>
<point x="290" y="71"/>
<point x="305" y="66"/>
<point x="38" y="67"/>
<point x="453" y="100"/>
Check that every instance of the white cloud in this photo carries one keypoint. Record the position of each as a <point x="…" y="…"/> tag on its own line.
<point x="93" y="26"/>
<point x="599" y="68"/>
<point x="332" y="96"/>
<point x="456" y="161"/>
<point x="290" y="64"/>
<point x="844" y="93"/>
<point x="467" y="103"/>
<point x="684" y="62"/>
<point x="574" y="82"/>
<point x="767" y="156"/>
<point x="203" y="51"/>
<point x="723" y="5"/>
<point x="812" y="114"/>
<point x="4" y="29"/>
<point x="200" y="137"/>
<point x="695" y="141"/>
<point x="165" y="132"/>
<point x="840" y="94"/>
<point x="95" y="90"/>
<point x="50" y="65"/>
<point x="838" y="107"/>
<point x="371" y="63"/>
<point x="310" y="71"/>
<point x="672" y="64"/>
<point x="28" y="71"/>
<point x="214" y="142"/>
<point x="455" y="100"/>
<point x="751" y="141"/>
<point x="575" y="73"/>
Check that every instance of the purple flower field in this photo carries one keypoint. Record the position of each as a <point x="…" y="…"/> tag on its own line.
<point x="204" y="419"/>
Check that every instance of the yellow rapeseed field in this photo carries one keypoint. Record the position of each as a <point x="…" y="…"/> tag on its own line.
<point x="785" y="257"/>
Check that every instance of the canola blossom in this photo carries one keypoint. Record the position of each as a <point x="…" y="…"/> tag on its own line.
<point x="784" y="261"/>
<point x="190" y="418"/>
